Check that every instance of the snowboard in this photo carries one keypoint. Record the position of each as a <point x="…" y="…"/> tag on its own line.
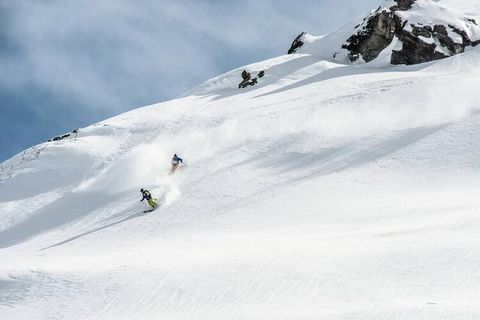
<point x="150" y="210"/>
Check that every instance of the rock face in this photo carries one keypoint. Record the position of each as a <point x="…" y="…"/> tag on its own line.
<point x="404" y="31"/>
<point x="377" y="34"/>
<point x="247" y="79"/>
<point x="403" y="5"/>
<point x="415" y="50"/>
<point x="419" y="41"/>
<point x="297" y="43"/>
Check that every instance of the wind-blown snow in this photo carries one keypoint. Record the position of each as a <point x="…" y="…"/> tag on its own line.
<point x="327" y="191"/>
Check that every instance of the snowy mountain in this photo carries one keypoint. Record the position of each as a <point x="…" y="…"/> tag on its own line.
<point x="402" y="31"/>
<point x="328" y="190"/>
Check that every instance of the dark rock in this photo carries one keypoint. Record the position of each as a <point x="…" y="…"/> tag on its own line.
<point x="58" y="138"/>
<point x="246" y="76"/>
<point x="415" y="50"/>
<point x="463" y="34"/>
<point x="297" y="43"/>
<point x="373" y="38"/>
<point x="423" y="31"/>
<point x="441" y="34"/>
<point x="249" y="83"/>
<point x="261" y="74"/>
<point x="380" y="28"/>
<point x="247" y="79"/>
<point x="403" y="5"/>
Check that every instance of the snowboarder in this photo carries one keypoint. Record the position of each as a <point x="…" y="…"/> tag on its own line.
<point x="148" y="196"/>
<point x="176" y="160"/>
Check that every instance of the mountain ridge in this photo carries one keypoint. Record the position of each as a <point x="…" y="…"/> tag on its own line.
<point x="407" y="32"/>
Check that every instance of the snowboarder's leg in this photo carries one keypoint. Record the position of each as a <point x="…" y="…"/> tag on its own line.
<point x="174" y="167"/>
<point x="152" y="203"/>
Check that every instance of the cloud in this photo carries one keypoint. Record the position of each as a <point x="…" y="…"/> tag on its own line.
<point x="91" y="59"/>
<point x="96" y="50"/>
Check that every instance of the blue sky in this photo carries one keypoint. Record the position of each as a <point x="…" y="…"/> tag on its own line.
<point x="67" y="64"/>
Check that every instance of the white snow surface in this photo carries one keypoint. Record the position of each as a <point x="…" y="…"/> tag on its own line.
<point x="327" y="191"/>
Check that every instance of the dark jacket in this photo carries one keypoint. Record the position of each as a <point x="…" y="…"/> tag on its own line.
<point x="176" y="159"/>
<point x="146" y="195"/>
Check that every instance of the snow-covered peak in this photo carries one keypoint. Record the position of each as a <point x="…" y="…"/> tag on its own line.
<point x="400" y="32"/>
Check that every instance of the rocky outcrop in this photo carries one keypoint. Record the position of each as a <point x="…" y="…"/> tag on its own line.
<point x="297" y="43"/>
<point x="74" y="134"/>
<point x="403" y="5"/>
<point x="247" y="79"/>
<point x="402" y="31"/>
<point x="370" y="40"/>
<point x="418" y="41"/>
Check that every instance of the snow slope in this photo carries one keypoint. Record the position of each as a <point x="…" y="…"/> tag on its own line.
<point x="325" y="192"/>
